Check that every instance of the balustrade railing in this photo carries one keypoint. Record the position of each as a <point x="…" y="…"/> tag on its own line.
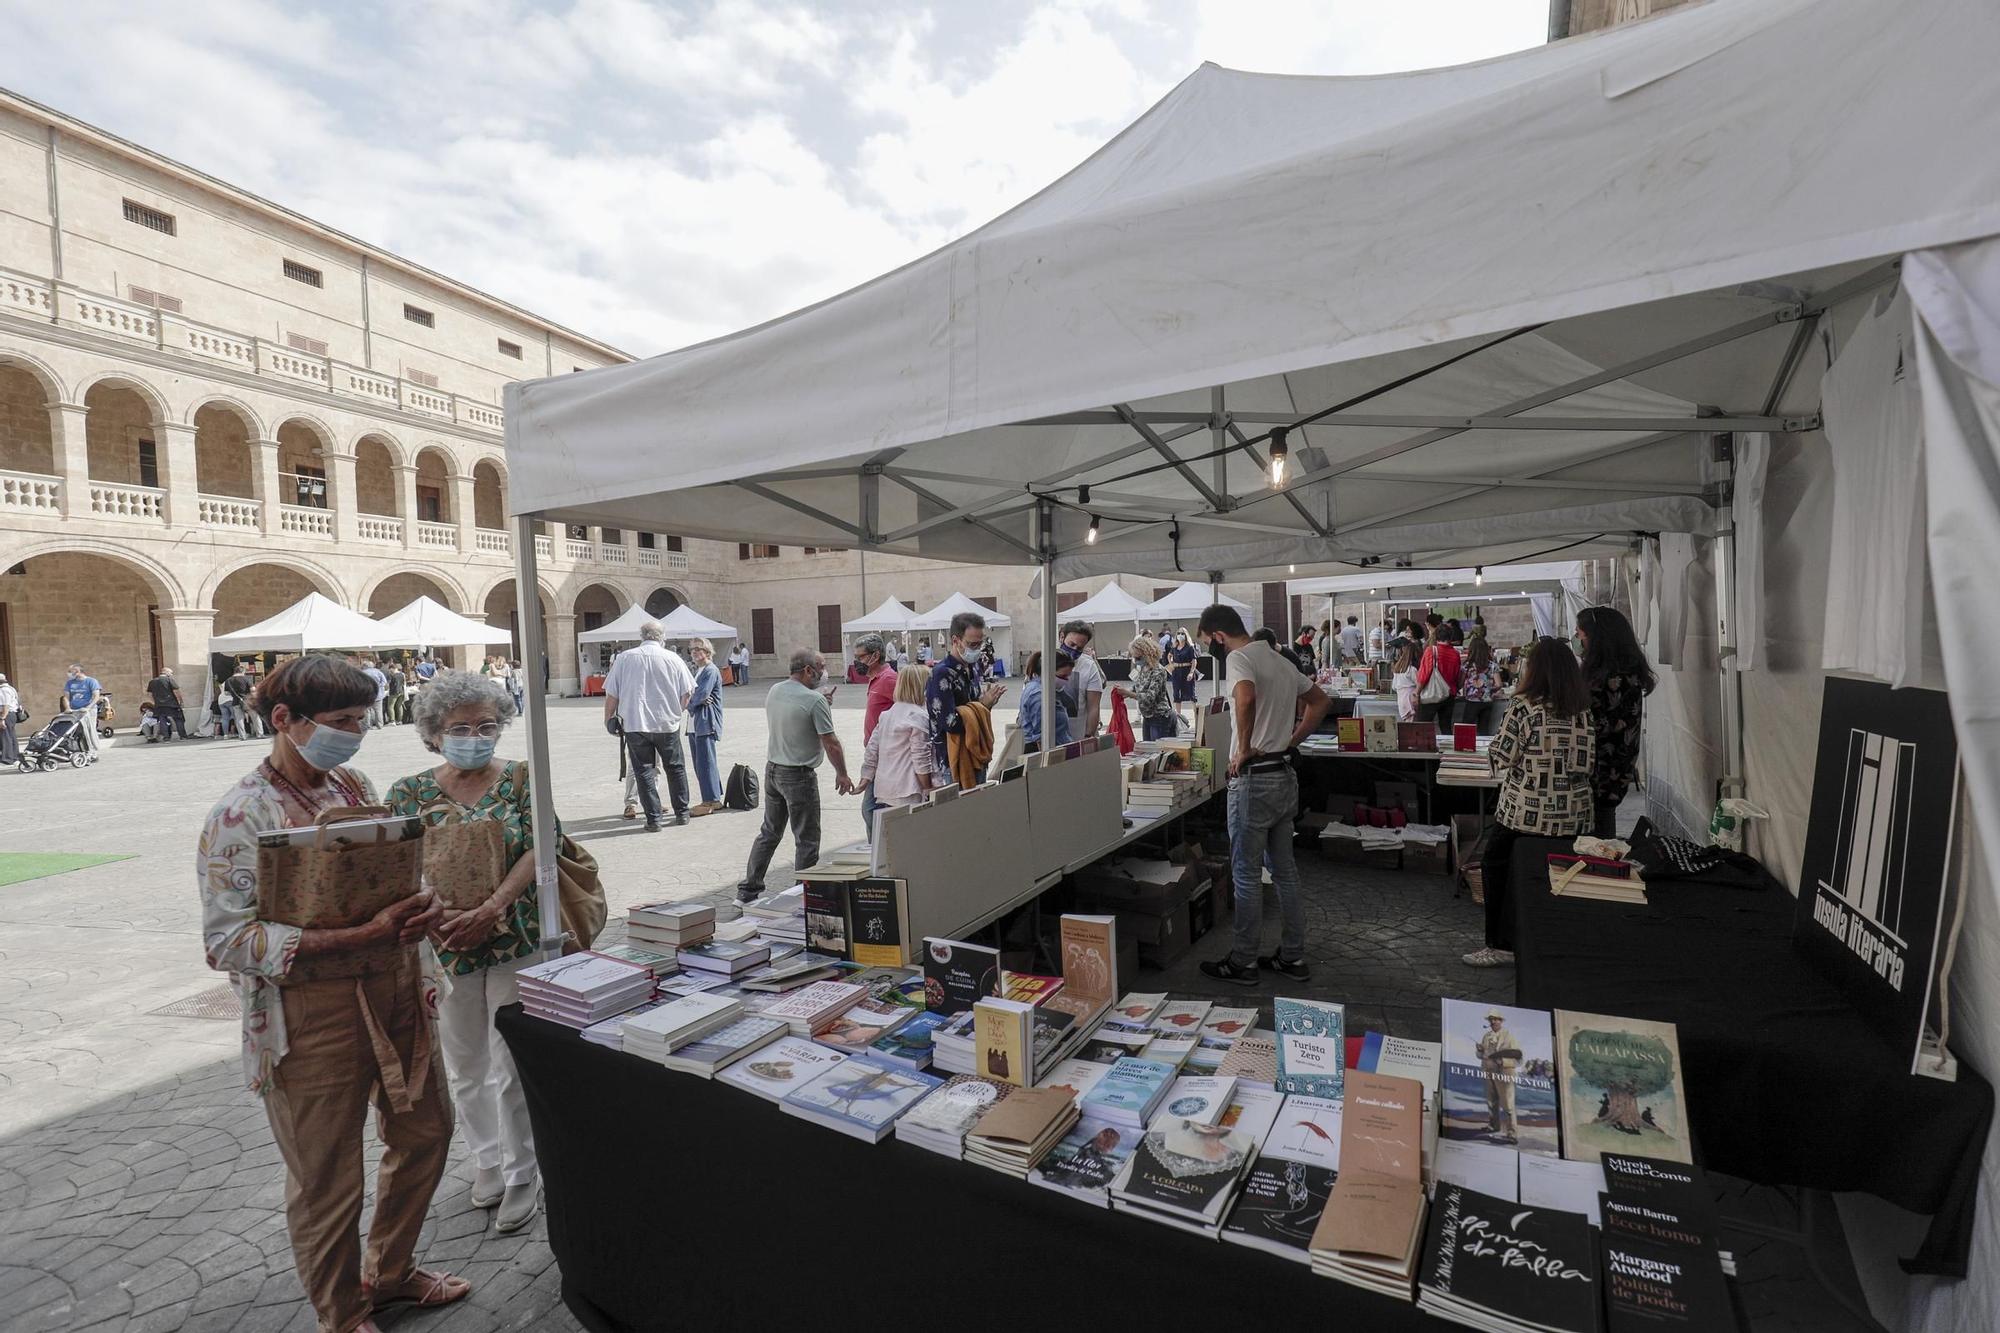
<point x="31" y="491"/>
<point x="305" y="521"/>
<point x="380" y="528"/>
<point x="613" y="554"/>
<point x="228" y="511"/>
<point x="577" y="550"/>
<point x="492" y="540"/>
<point x="437" y="534"/>
<point x="111" y="500"/>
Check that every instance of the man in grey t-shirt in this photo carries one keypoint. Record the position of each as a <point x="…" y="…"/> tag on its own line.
<point x="799" y="719"/>
<point x="1273" y="708"/>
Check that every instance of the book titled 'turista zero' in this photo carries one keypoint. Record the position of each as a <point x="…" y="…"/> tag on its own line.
<point x="1312" y="1047"/>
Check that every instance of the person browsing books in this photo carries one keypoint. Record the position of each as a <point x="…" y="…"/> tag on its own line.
<point x="1274" y="708"/>
<point x="1543" y="755"/>
<point x="896" y="762"/>
<point x="1615" y="668"/>
<point x="1440" y="663"/>
<point x="1083" y="690"/>
<point x="871" y="662"/>
<point x="460" y="717"/>
<point x="645" y="701"/>
<point x="1031" y="703"/>
<point x="320" y="1051"/>
<point x="1151" y="692"/>
<point x="958" y="683"/>
<point x="799" y="720"/>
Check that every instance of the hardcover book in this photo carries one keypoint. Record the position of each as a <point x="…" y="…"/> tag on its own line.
<point x="1620" y="1080"/>
<point x="1651" y="1287"/>
<point x="1089" y="964"/>
<point x="1495" y="1264"/>
<point x="1380" y="734"/>
<point x="786" y="1064"/>
<point x="1499" y="1077"/>
<point x="826" y="916"/>
<point x="876" y="913"/>
<point x="1417" y="736"/>
<point x="1312" y="1050"/>
<point x="958" y="975"/>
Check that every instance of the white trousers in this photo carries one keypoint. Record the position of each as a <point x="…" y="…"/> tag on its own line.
<point x="492" y="1110"/>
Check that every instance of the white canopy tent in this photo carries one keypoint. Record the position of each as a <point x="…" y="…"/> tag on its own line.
<point x="684" y="622"/>
<point x="312" y="622"/>
<point x="1109" y="603"/>
<point x="624" y="629"/>
<point x="1636" y="250"/>
<point x="936" y="624"/>
<point x="889" y="618"/>
<point x="1187" y="602"/>
<point x="426" y="623"/>
<point x="1554" y="590"/>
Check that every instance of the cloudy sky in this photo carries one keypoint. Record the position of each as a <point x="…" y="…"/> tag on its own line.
<point x="657" y="173"/>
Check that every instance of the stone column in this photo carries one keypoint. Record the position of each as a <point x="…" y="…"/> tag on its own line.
<point x="184" y="636"/>
<point x="177" y="474"/>
<point x="406" y="502"/>
<point x="462" y="508"/>
<point x="72" y="452"/>
<point x="562" y="657"/>
<point x="343" y="497"/>
<point x="268" y="484"/>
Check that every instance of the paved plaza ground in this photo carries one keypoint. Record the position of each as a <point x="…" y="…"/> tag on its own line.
<point x="139" y="1187"/>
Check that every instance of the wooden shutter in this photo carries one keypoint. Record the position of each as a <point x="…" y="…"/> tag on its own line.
<point x="1158" y="593"/>
<point x="1274" y="607"/>
<point x="829" y="628"/>
<point x="990" y="603"/>
<point x="743" y="550"/>
<point x="1066" y="601"/>
<point x="908" y="605"/>
<point x="1298" y="613"/>
<point x="763" y="634"/>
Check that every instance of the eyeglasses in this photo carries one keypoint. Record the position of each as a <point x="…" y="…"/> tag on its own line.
<point x="485" y="731"/>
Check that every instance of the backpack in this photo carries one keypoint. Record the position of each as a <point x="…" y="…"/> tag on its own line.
<point x="740" y="791"/>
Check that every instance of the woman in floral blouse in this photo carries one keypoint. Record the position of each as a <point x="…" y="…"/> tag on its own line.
<point x="1478" y="684"/>
<point x="320" y="1051"/>
<point x="1543" y="755"/>
<point x="480" y="949"/>
<point x="1151" y="690"/>
<point x="1615" y="668"/>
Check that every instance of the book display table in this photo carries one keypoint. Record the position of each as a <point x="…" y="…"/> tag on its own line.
<point x="1787" y="1084"/>
<point x="677" y="1203"/>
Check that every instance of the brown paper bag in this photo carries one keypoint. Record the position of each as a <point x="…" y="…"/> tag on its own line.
<point x="465" y="861"/>
<point x="327" y="887"/>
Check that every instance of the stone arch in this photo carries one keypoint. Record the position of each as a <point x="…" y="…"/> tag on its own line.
<point x="444" y="588"/>
<point x="606" y="601"/>
<point x="489" y="494"/>
<point x="91" y="602"/>
<point x="320" y="578"/>
<point x="663" y="599"/>
<point x="121" y="427"/>
<point x="44" y="373"/>
<point x="305" y="476"/>
<point x="28" y="389"/>
<point x="505" y="579"/>
<point x="378" y="488"/>
<point x="499" y="606"/>
<point x="257" y="589"/>
<point x="156" y="402"/>
<point x="252" y="421"/>
<point x="435" y="466"/>
<point x="225" y="448"/>
<point x="159" y="579"/>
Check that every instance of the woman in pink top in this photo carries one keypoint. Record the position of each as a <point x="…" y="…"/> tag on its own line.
<point x="1440" y="659"/>
<point x="898" y="758"/>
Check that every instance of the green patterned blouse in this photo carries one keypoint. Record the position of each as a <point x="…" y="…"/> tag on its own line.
<point x="507" y="800"/>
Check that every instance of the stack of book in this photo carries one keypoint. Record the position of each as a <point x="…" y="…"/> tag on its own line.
<point x="728" y="958"/>
<point x="1014" y="1136"/>
<point x="1185" y="1174"/>
<point x="1220" y="1031"/>
<point x="811" y="1010"/>
<point x="863" y="1024"/>
<point x="583" y="988"/>
<point x="1129" y="1093"/>
<point x="669" y="926"/>
<point x="1659" y="1245"/>
<point x="781" y="915"/>
<point x="1003" y="1040"/>
<point x="1027" y="987"/>
<point x="1074" y="1078"/>
<point x="1465" y="768"/>
<point x="656" y="1035"/>
<point x="859" y="1098"/>
<point x="1286" y="1190"/>
<point x="1202" y="1097"/>
<point x="725" y="1046"/>
<point x="785" y="1065"/>
<point x="1087" y="1160"/>
<point x="610" y="1031"/>
<point x="1477" y="1270"/>
<point x="800" y="969"/>
<point x="910" y="1045"/>
<point x="1372" y="1229"/>
<point x="660" y="962"/>
<point x="940" y="1122"/>
<point x="1595" y="877"/>
<point x="952" y="1045"/>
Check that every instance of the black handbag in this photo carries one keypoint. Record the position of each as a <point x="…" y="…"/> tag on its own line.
<point x="740" y="791"/>
<point x="20" y="715"/>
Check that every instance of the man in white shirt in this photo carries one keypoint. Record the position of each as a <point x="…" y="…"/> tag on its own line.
<point x="1350" y="642"/>
<point x="1378" y="643"/>
<point x="645" y="698"/>
<point x="1086" y="683"/>
<point x="1273" y="708"/>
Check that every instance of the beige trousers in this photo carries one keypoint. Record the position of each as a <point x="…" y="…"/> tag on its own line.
<point x="318" y="1101"/>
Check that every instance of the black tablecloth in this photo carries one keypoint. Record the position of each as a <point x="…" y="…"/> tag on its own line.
<point x="1786" y="1084"/>
<point x="676" y="1203"/>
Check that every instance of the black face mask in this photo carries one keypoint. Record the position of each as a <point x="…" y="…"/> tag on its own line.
<point x="1219" y="647"/>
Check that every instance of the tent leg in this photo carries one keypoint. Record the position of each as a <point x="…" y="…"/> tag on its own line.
<point x="1725" y="641"/>
<point x="1214" y="597"/>
<point x="1045" y="546"/>
<point x="527" y="589"/>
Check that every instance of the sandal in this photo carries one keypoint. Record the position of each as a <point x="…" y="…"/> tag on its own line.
<point x="423" y="1289"/>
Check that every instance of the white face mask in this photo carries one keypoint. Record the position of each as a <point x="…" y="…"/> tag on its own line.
<point x="970" y="652"/>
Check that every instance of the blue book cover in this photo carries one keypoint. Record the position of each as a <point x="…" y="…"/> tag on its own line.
<point x="1128" y="1089"/>
<point x="1371" y="1051"/>
<point x="910" y="1045"/>
<point x="1312" y="1047"/>
<point x="863" y="1094"/>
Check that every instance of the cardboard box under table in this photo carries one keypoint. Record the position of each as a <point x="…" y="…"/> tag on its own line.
<point x="1151" y="901"/>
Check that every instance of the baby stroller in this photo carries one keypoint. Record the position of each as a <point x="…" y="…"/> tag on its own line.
<point x="61" y="741"/>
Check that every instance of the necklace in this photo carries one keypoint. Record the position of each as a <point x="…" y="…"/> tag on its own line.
<point x="306" y="801"/>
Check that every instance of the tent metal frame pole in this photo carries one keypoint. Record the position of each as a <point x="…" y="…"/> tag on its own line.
<point x="1045" y="545"/>
<point x="542" y="809"/>
<point x="1731" y="682"/>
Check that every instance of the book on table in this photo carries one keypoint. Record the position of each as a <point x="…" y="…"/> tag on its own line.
<point x="1054" y="1034"/>
<point x="1137" y="1009"/>
<point x="878" y="916"/>
<point x="787" y="1063"/>
<point x="1199" y="1097"/>
<point x="859" y="1098"/>
<point x="664" y="1030"/>
<point x="952" y="1044"/>
<point x="1493" y="1169"/>
<point x="862" y="1024"/>
<point x="1596" y="878"/>
<point x="1168" y="1050"/>
<point x="671" y="915"/>
<point x="1312" y="1048"/>
<point x="941" y="1121"/>
<point x="1003" y="1040"/>
<point x="583" y="988"/>
<point x="812" y="1009"/>
<point x="1494" y="1264"/>
<point x="1498" y="1076"/>
<point x="1570" y="1187"/>
<point x="1108" y="1045"/>
<point x="1185" y="1174"/>
<point x="723" y="1047"/>
<point x="728" y="957"/>
<point x="1028" y="987"/>
<point x="1286" y="1188"/>
<point x="1370" y="1233"/>
<point x="1253" y="1059"/>
<point x="1621" y="1088"/>
<point x="660" y="962"/>
<point x="1015" y="1135"/>
<point x="610" y="1031"/>
<point x="1181" y="1018"/>
<point x="1089" y="947"/>
<point x="1129" y="1092"/>
<point x="909" y="1044"/>
<point x="1073" y="1076"/>
<point x="1086" y="1160"/>
<point x="800" y="969"/>
<point x="957" y="975"/>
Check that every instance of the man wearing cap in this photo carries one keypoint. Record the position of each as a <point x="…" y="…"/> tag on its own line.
<point x="1499" y="1055"/>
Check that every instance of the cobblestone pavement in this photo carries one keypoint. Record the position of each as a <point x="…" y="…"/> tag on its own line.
<point x="139" y="1187"/>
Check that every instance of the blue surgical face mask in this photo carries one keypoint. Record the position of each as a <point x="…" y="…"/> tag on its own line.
<point x="470" y="753"/>
<point x="328" y="747"/>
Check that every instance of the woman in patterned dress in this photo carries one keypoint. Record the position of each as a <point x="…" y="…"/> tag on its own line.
<point x="1543" y="754"/>
<point x="320" y="1051"/>
<point x="1152" y="691"/>
<point x="480" y="949"/>
<point x="1619" y="677"/>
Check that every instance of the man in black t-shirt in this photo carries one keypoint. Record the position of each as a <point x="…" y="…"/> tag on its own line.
<point x="240" y="686"/>
<point x="169" y="715"/>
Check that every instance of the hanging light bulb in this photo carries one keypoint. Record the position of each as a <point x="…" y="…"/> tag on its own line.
<point x="1278" y="454"/>
<point x="1291" y="569"/>
<point x="1091" y="536"/>
<point x="1479" y="576"/>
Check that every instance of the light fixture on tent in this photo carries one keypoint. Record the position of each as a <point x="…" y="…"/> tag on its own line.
<point x="1479" y="576"/>
<point x="1090" y="537"/>
<point x="1291" y="569"/>
<point x="1278" y="454"/>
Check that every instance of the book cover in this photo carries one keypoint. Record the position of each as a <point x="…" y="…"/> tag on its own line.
<point x="875" y="922"/>
<point x="911" y="1043"/>
<point x="956" y="1106"/>
<point x="1088" y="1157"/>
<point x="1307" y="1130"/>
<point x="1529" y="1265"/>
<point x="1075" y="1077"/>
<point x="1253" y="1059"/>
<point x="1349" y="732"/>
<point x="672" y="1021"/>
<point x="657" y="961"/>
<point x="1651" y="1287"/>
<point x="1138" y="1008"/>
<point x="1107" y="1046"/>
<point x="821" y="1000"/>
<point x="1677" y="1185"/>
<point x="1128" y="1090"/>
<point x="1380" y="734"/>
<point x="1487" y="1167"/>
<point x="1229" y="1023"/>
<point x="862" y="1025"/>
<point x="1197" y="1097"/>
<point x="862" y="1094"/>
<point x="1202" y="760"/>
<point x="1379" y="1198"/>
<point x="1002" y="1040"/>
<point x="1653" y="1224"/>
<point x="1169" y="1050"/>
<point x="728" y="1044"/>
<point x="1050" y="1029"/>
<point x="1090" y="958"/>
<point x="725" y="955"/>
<point x="1552" y="1182"/>
<point x="786" y="1064"/>
<point x="1499" y="1078"/>
<point x="1312" y="1050"/>
<point x="1280" y="1205"/>
<point x="1027" y="987"/>
<point x="1182" y="1016"/>
<point x="1188" y="1166"/>
<point x="1620" y="1080"/>
<point x="958" y="975"/>
<point x="826" y="916"/>
<point x="1405" y="1058"/>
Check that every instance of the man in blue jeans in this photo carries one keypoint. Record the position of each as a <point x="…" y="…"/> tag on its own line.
<point x="799" y="719"/>
<point x="1272" y="709"/>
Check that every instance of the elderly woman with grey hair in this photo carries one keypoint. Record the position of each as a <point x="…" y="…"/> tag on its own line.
<point x="480" y="949"/>
<point x="705" y="725"/>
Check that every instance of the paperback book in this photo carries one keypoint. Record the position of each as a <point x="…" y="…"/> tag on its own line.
<point x="725" y="1046"/>
<point x="1372" y="1229"/>
<point x="1312" y="1050"/>
<point x="909" y="1045"/>
<point x="728" y="957"/>
<point x="1279" y="1207"/>
<point x="1181" y="1018"/>
<point x="1307" y="1130"/>
<point x="1649" y="1287"/>
<point x="876" y="914"/>
<point x="826" y="916"/>
<point x="1075" y="1077"/>
<point x="941" y="1121"/>
<point x="1129" y="1092"/>
<point x="1086" y="1160"/>
<point x="1108" y="1045"/>
<point x="813" y="1009"/>
<point x="1253" y="1059"/>
<point x="1015" y="1135"/>
<point x="1196" y="1097"/>
<point x="862" y="1025"/>
<point x="859" y="1098"/>
<point x="1499" y="1078"/>
<point x="1494" y="1264"/>
<point x="958" y="975"/>
<point x="1620" y="1080"/>
<point x="1003" y="1042"/>
<point x="1185" y="1173"/>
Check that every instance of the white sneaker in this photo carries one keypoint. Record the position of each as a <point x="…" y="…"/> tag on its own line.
<point x="1487" y="957"/>
<point x="487" y="1187"/>
<point x="517" y="1207"/>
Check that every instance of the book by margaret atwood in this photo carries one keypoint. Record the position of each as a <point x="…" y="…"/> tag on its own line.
<point x="1621" y="1088"/>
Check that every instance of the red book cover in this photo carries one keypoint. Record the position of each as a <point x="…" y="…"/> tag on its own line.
<point x="1465" y="736"/>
